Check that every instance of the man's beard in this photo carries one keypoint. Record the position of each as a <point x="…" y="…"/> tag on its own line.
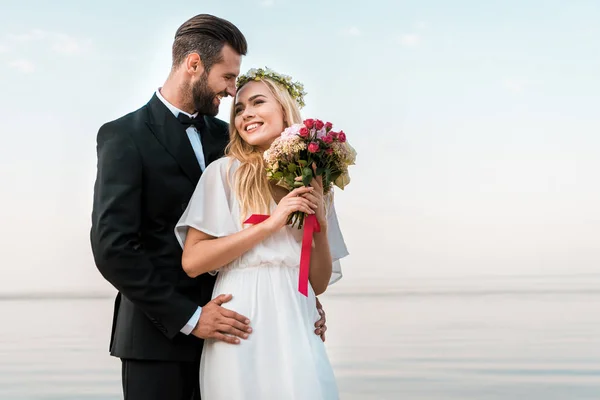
<point x="203" y="97"/>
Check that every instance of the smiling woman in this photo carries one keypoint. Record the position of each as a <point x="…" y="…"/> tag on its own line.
<point x="260" y="263"/>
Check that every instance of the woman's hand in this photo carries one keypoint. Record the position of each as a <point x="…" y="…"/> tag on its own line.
<point x="292" y="202"/>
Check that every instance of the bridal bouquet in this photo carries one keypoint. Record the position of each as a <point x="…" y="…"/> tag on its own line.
<point x="291" y="157"/>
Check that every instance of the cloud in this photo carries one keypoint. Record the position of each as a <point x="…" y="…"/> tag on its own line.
<point x="3" y="49"/>
<point x="514" y="85"/>
<point x="57" y="42"/>
<point x="352" y="31"/>
<point x="410" y="40"/>
<point x="24" y="66"/>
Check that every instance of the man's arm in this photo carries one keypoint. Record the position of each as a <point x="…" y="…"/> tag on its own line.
<point x="115" y="236"/>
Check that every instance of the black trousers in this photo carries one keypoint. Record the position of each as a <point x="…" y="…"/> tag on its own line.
<point x="160" y="380"/>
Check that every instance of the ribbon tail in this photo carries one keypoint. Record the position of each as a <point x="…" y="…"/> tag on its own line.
<point x="311" y="225"/>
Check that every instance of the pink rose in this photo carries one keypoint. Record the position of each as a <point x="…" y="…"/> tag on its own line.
<point x="333" y="134"/>
<point x="319" y="124"/>
<point x="329" y="151"/>
<point x="303" y="132"/>
<point x="309" y="123"/>
<point x="342" y="136"/>
<point x="328" y="125"/>
<point x="328" y="139"/>
<point x="313" y="147"/>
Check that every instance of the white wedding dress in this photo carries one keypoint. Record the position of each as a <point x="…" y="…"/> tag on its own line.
<point x="283" y="358"/>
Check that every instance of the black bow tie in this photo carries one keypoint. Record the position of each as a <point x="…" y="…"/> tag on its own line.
<point x="197" y="121"/>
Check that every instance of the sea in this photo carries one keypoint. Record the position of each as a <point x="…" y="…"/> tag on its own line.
<point x="520" y="338"/>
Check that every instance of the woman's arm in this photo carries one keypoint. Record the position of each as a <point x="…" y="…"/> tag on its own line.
<point x="320" y="262"/>
<point x="203" y="253"/>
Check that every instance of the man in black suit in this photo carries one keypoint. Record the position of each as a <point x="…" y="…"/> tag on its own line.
<point x="149" y="162"/>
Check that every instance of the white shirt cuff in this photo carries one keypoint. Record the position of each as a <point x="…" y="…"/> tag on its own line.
<point x="191" y="324"/>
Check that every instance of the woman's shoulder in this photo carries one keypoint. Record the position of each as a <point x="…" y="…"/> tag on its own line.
<point x="222" y="170"/>
<point x="222" y="165"/>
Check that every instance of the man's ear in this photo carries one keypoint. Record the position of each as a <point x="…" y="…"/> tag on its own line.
<point x="193" y="64"/>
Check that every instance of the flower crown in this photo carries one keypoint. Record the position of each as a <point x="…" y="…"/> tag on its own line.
<point x="295" y="89"/>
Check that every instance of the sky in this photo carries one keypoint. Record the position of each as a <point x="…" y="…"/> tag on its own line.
<point x="476" y="125"/>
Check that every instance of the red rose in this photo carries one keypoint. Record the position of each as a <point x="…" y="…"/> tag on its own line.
<point x="333" y="134"/>
<point x="329" y="151"/>
<point x="319" y="124"/>
<point x="303" y="132"/>
<point x="328" y="125"/>
<point x="313" y="147"/>
<point x="342" y="136"/>
<point x="327" y="139"/>
<point x="309" y="123"/>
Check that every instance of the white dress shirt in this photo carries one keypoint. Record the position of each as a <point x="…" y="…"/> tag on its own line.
<point x="191" y="131"/>
<point x="194" y="137"/>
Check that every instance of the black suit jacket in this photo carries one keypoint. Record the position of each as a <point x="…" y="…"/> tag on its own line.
<point x="147" y="172"/>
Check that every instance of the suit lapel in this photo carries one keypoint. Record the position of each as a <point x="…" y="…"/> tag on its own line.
<point x="214" y="140"/>
<point x="171" y="134"/>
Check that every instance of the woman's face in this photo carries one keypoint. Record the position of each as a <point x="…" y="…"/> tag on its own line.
<point x="258" y="115"/>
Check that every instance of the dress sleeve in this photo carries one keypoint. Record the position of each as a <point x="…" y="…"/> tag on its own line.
<point x="337" y="245"/>
<point x="210" y="208"/>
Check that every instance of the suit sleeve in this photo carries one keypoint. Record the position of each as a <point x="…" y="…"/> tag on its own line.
<point x="116" y="240"/>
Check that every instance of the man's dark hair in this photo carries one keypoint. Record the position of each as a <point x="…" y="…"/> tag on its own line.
<point x="206" y="35"/>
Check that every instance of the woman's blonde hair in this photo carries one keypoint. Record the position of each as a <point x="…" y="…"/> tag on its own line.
<point x="250" y="180"/>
